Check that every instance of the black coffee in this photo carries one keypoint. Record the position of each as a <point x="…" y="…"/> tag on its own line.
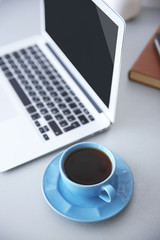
<point x="87" y="166"/>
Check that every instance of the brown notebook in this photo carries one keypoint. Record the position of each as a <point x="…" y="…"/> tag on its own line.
<point x="146" y="69"/>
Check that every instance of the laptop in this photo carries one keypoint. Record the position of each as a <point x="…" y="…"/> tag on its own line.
<point x="61" y="86"/>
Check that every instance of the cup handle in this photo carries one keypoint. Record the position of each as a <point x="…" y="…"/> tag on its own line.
<point x="108" y="193"/>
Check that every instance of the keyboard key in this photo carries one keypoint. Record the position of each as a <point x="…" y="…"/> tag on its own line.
<point x="72" y="93"/>
<point x="40" y="61"/>
<point x="46" y="129"/>
<point x="49" y="88"/>
<point x="59" y="117"/>
<point x="66" y="112"/>
<point x="46" y="137"/>
<point x="41" y="77"/>
<point x="20" y="61"/>
<point x="55" y="82"/>
<point x="35" y="116"/>
<point x="24" y="82"/>
<point x="24" y="66"/>
<point x="34" y="67"/>
<point x="53" y="94"/>
<point x="17" y="71"/>
<point x="23" y="51"/>
<point x="28" y="58"/>
<point x="7" y="56"/>
<point x="31" y="49"/>
<point x="43" y="111"/>
<point x="35" y="99"/>
<point x="37" y="124"/>
<point x="38" y="87"/>
<point x="55" y="128"/>
<point x="64" y="94"/>
<point x="21" y="77"/>
<point x="77" y="111"/>
<point x="14" y="66"/>
<point x="71" y="118"/>
<point x="41" y="130"/>
<point x="28" y="88"/>
<point x="75" y="124"/>
<point x="63" y="123"/>
<point x="59" y="88"/>
<point x="86" y="111"/>
<point x="68" y="99"/>
<point x="10" y="61"/>
<point x="8" y="74"/>
<point x="27" y="71"/>
<point x="46" y="99"/>
<point x="1" y="62"/>
<point x="57" y="99"/>
<point x="32" y="93"/>
<point x="31" y="109"/>
<point x="43" y="66"/>
<point x="72" y="105"/>
<point x="5" y="68"/>
<point x="62" y="106"/>
<point x="81" y="105"/>
<point x="54" y="110"/>
<point x="36" y="56"/>
<point x="38" y="72"/>
<point x="16" y="55"/>
<point x="30" y="75"/>
<point x="48" y="72"/>
<point x="48" y="117"/>
<point x="20" y="92"/>
<point x="45" y="83"/>
<point x="83" y="119"/>
<point x="42" y="93"/>
<point x="76" y="99"/>
<point x="52" y="76"/>
<point x="91" y="117"/>
<point x="34" y="82"/>
<point x="50" y="104"/>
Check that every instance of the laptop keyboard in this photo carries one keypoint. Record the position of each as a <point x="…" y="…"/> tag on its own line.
<point x="49" y="101"/>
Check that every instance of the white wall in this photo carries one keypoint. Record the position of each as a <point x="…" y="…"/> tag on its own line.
<point x="151" y="3"/>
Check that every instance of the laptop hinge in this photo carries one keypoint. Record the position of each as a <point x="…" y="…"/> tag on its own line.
<point x="75" y="80"/>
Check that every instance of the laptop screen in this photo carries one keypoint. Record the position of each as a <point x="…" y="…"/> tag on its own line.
<point x="87" y="37"/>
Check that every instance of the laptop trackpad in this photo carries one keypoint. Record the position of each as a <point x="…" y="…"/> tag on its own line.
<point x="7" y="109"/>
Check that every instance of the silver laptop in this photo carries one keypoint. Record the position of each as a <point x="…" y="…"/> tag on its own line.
<point x="61" y="86"/>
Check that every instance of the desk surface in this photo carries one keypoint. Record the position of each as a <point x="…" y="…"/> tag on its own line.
<point x="134" y="136"/>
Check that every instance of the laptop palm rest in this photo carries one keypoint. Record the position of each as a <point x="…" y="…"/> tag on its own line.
<point x="8" y="110"/>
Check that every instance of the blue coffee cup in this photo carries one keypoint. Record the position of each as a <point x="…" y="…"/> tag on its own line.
<point x="103" y="190"/>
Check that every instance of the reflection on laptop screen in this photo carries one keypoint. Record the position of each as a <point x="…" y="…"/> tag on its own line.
<point x="87" y="37"/>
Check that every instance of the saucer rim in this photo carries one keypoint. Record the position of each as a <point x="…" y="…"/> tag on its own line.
<point x="78" y="219"/>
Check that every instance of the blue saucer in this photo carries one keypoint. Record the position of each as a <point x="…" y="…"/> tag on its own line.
<point x="94" y="210"/>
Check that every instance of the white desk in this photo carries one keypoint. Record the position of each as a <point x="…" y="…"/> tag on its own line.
<point x="135" y="136"/>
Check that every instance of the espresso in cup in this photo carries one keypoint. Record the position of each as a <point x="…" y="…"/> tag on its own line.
<point x="87" y="166"/>
<point x="87" y="172"/>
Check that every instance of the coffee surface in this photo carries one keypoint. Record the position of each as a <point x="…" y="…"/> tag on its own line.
<point x="87" y="166"/>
